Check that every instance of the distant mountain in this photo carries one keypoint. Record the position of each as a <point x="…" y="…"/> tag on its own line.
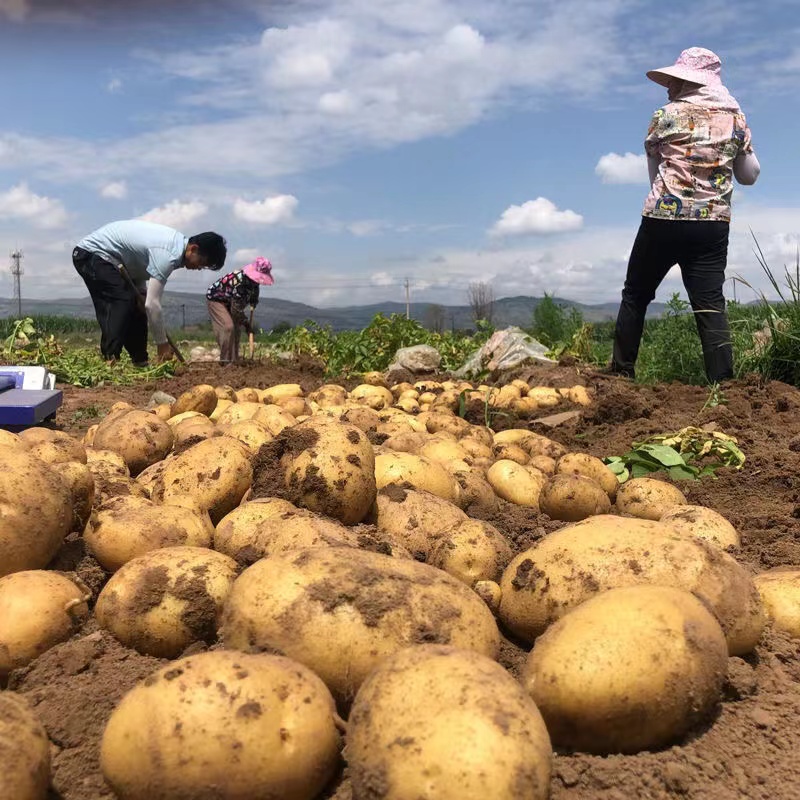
<point x="183" y="308"/>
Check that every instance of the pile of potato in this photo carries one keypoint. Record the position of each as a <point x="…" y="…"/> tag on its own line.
<point x="332" y="543"/>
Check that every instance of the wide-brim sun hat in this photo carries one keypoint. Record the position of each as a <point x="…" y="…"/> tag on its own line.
<point x="260" y="271"/>
<point x="696" y="65"/>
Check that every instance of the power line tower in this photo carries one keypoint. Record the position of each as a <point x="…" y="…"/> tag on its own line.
<point x="17" y="272"/>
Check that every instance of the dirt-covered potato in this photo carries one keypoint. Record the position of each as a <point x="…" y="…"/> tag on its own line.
<point x="8" y="439"/>
<point x="106" y="461"/>
<point x="418" y="472"/>
<point x="571" y="497"/>
<point x="327" y="466"/>
<point x="248" y="395"/>
<point x="53" y="447"/>
<point x="514" y="483"/>
<point x="222" y="405"/>
<point x="226" y="726"/>
<point x="341" y="611"/>
<point x="589" y="467"/>
<point x="123" y="528"/>
<point x="415" y="518"/>
<point x="140" y="437"/>
<point x="80" y="480"/>
<point x="38" y="608"/>
<point x="510" y="452"/>
<point x="648" y="498"/>
<point x="35" y="510"/>
<point x="278" y="533"/>
<point x="202" y="398"/>
<point x="472" y="551"/>
<point x="249" y="432"/>
<point x="631" y="669"/>
<point x="475" y="490"/>
<point x="24" y="751"/>
<point x="538" y="445"/>
<point x="225" y="392"/>
<point x="575" y="563"/>
<point x="165" y="600"/>
<point x="780" y="592"/>
<point x="215" y="472"/>
<point x="703" y="522"/>
<point x="162" y="411"/>
<point x="434" y="721"/>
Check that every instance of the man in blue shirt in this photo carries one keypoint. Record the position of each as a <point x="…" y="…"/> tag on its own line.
<point x="149" y="253"/>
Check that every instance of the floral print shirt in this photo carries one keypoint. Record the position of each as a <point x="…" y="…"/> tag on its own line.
<point x="696" y="146"/>
<point x="236" y="291"/>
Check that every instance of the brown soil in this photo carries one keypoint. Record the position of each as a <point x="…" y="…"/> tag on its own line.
<point x="747" y="751"/>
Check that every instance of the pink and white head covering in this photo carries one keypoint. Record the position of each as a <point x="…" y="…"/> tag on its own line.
<point x="701" y="69"/>
<point x="696" y="65"/>
<point x="260" y="271"/>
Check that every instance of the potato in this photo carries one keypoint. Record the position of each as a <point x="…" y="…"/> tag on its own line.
<point x="80" y="481"/>
<point x="215" y="472"/>
<point x="341" y="611"/>
<point x="648" y="498"/>
<point x="296" y="406"/>
<point x="544" y="396"/>
<point x="163" y="411"/>
<point x="165" y="600"/>
<point x="510" y="452"/>
<point x="579" y="396"/>
<point x="475" y="490"/>
<point x="514" y="483"/>
<point x="780" y="592"/>
<point x="328" y="467"/>
<point x="24" y="751"/>
<point x="109" y="484"/>
<point x="249" y="432"/>
<point x="362" y="417"/>
<point x="277" y="534"/>
<point x="418" y="472"/>
<point x="176" y="420"/>
<point x="571" y="497"/>
<point x="236" y="412"/>
<point x="442" y="421"/>
<point x="589" y="467"/>
<point x="631" y="669"/>
<point x="35" y="511"/>
<point x="434" y="721"/>
<point x="38" y="609"/>
<point x="123" y="528"/>
<point x="281" y="391"/>
<point x="225" y="392"/>
<point x="375" y="397"/>
<point x="193" y="430"/>
<point x="417" y="519"/>
<point x="538" y="445"/>
<point x="571" y="565"/>
<point x="248" y="395"/>
<point x="226" y="726"/>
<point x="222" y="405"/>
<point x="473" y="551"/>
<point x="53" y="447"/>
<point x="8" y="439"/>
<point x="703" y="522"/>
<point x="147" y="478"/>
<point x="106" y="460"/>
<point x="247" y="515"/>
<point x="513" y="436"/>
<point x="88" y="437"/>
<point x="443" y="451"/>
<point x="139" y="437"/>
<point x="545" y="464"/>
<point x="406" y="442"/>
<point x="202" y="398"/>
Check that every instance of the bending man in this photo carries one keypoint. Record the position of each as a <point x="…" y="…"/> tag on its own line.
<point x="149" y="254"/>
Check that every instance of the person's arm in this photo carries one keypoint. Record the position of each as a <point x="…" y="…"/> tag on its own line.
<point x="653" y="160"/>
<point x="155" y="317"/>
<point x="746" y="168"/>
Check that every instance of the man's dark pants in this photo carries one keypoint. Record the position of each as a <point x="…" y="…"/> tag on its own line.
<point x="700" y="248"/>
<point x="122" y="322"/>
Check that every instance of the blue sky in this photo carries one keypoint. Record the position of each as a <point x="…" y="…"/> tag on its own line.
<point x="360" y="143"/>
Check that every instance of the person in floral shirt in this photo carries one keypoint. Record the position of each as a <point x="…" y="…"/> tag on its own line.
<point x="696" y="145"/>
<point x="227" y="299"/>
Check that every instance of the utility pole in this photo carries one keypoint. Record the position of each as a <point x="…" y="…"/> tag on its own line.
<point x="408" y="306"/>
<point x="16" y="271"/>
<point x="183" y="312"/>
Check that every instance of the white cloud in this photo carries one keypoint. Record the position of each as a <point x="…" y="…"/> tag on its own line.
<point x="246" y="254"/>
<point x="382" y="279"/>
<point x="537" y="216"/>
<point x="114" y="86"/>
<point x="627" y="168"/>
<point x="20" y="203"/>
<point x="366" y="227"/>
<point x="116" y="190"/>
<point x="177" y="214"/>
<point x="276" y="210"/>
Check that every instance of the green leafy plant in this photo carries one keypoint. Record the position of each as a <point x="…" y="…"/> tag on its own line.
<point x="690" y="454"/>
<point x="555" y="325"/>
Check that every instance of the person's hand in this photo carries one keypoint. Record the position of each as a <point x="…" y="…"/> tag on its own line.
<point x="164" y="353"/>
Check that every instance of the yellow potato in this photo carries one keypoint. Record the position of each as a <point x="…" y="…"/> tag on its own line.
<point x="341" y="611"/>
<point x="165" y="600"/>
<point x="472" y="551"/>
<point x="514" y="483"/>
<point x="631" y="669"/>
<point x="53" y="447"/>
<point x="202" y="398"/>
<point x="434" y="721"/>
<point x="24" y="751"/>
<point x="418" y="472"/>
<point x="223" y="725"/>
<point x="38" y="609"/>
<point x="281" y="391"/>
<point x="572" y="497"/>
<point x="703" y="522"/>
<point x="648" y="498"/>
<point x="589" y="467"/>
<point x="139" y="437"/>
<point x="780" y="592"/>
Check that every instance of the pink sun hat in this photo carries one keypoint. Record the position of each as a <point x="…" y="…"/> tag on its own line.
<point x="260" y="271"/>
<point x="696" y="65"/>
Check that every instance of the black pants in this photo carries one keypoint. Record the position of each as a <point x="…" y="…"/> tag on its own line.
<point x="701" y="250"/>
<point x="122" y="322"/>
